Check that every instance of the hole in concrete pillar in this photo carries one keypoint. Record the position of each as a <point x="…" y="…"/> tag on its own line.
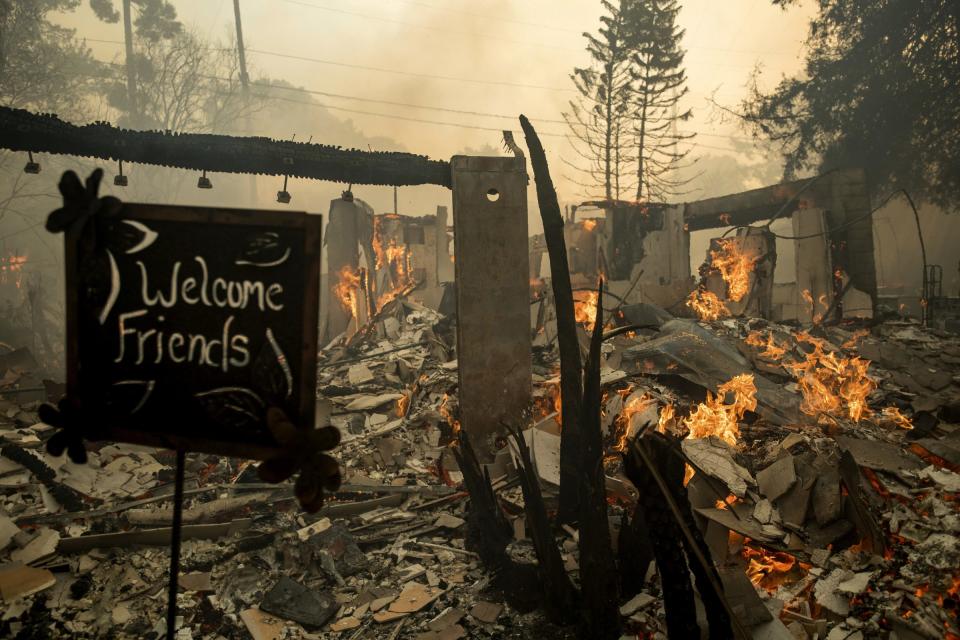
<point x="493" y="195"/>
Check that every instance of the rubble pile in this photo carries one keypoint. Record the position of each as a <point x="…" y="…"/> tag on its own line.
<point x="821" y="467"/>
<point x="83" y="548"/>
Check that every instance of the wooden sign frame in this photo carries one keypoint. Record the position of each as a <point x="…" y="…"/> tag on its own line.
<point x="77" y="238"/>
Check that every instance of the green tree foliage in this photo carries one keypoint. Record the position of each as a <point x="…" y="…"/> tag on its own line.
<point x="880" y="90"/>
<point x="154" y="19"/>
<point x="42" y="65"/>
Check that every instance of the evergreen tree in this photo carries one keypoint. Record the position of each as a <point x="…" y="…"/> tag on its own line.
<point x="155" y="18"/>
<point x="624" y="120"/>
<point x="599" y="117"/>
<point x="656" y="61"/>
<point x="880" y="91"/>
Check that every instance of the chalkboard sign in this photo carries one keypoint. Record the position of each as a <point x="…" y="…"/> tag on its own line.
<point x="185" y="324"/>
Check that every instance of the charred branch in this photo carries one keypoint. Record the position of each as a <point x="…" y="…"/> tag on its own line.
<point x="571" y="385"/>
<point x="597" y="568"/>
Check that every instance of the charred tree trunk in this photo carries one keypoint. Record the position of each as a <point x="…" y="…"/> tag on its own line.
<point x="571" y="385"/>
<point x="488" y="531"/>
<point x="598" y="571"/>
<point x="560" y="595"/>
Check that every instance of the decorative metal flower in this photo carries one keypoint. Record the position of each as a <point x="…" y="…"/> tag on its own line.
<point x="302" y="452"/>
<point x="70" y="432"/>
<point x="80" y="204"/>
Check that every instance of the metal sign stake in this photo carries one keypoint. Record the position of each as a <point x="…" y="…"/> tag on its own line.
<point x="175" y="546"/>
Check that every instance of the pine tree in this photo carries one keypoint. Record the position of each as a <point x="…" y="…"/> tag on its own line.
<point x="599" y="117"/>
<point x="656" y="61"/>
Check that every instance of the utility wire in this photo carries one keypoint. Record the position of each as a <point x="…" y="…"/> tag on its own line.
<point x="420" y="106"/>
<point x="414" y="74"/>
<point x="348" y="65"/>
<point x="394" y="116"/>
<point x="544" y="45"/>
<point x="441" y="30"/>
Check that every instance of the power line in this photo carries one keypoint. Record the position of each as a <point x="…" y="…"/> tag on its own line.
<point x="377" y="69"/>
<point x="410" y="73"/>
<point x="484" y="114"/>
<point x="419" y="120"/>
<point x="441" y="30"/>
<point x="541" y="25"/>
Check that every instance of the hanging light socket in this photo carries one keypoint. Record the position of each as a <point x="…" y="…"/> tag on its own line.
<point x="31" y="166"/>
<point x="203" y="182"/>
<point x="283" y="196"/>
<point x="120" y="180"/>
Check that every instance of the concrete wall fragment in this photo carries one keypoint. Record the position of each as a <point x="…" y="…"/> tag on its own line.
<point x="493" y="305"/>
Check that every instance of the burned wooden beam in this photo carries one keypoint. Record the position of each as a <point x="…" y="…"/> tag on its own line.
<point x="657" y="472"/>
<point x="22" y="130"/>
<point x="870" y="532"/>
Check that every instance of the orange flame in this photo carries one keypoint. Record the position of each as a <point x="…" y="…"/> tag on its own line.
<point x="589" y="224"/>
<point x="768" y="569"/>
<point x="447" y="411"/>
<point x="831" y="384"/>
<point x="811" y="306"/>
<point x="402" y="404"/>
<point x="347" y="290"/>
<point x="707" y="305"/>
<point x="772" y="350"/>
<point x="893" y="415"/>
<point x="714" y="417"/>
<point x="851" y="343"/>
<point x="735" y="266"/>
<point x="634" y="405"/>
<point x="396" y="259"/>
<point x="667" y="414"/>
<point x="585" y="310"/>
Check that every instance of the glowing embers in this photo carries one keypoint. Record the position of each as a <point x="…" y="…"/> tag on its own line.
<point x="714" y="417"/>
<point x="707" y="305"/>
<point x="832" y="385"/>
<point x="11" y="269"/>
<point x="770" y="569"/>
<point x="735" y="265"/>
